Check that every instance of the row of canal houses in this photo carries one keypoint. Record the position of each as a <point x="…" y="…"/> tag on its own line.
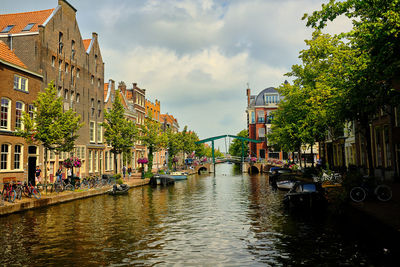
<point x="338" y="153"/>
<point x="43" y="46"/>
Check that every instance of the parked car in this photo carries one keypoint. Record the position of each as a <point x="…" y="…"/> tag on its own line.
<point x="305" y="195"/>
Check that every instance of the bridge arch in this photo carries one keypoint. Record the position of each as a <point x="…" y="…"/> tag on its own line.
<point x="253" y="170"/>
<point x="202" y="168"/>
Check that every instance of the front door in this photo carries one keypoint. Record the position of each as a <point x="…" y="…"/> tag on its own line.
<point x="31" y="169"/>
<point x="262" y="153"/>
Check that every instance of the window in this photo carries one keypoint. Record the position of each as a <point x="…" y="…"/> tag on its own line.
<point x="59" y="91"/>
<point x="4" y="157"/>
<point x="99" y="133"/>
<point x="92" y="79"/>
<point x="72" y="75"/>
<point x="17" y="157"/>
<point x="53" y="61"/>
<point x="31" y="111"/>
<point x="99" y="108"/>
<point x="73" y="49"/>
<point x="261" y="132"/>
<point x="77" y="72"/>
<point x="92" y="106"/>
<point x="98" y="83"/>
<point x="60" y="43"/>
<point x="4" y="114"/>
<point x="92" y="131"/>
<point x="96" y="161"/>
<point x="90" y="161"/>
<point x="60" y="70"/>
<point x="66" y="94"/>
<point x="20" y="83"/>
<point x="19" y="108"/>
<point x="28" y="27"/>
<point x="260" y="116"/>
<point x="66" y="67"/>
<point x="100" y="159"/>
<point x="253" y="117"/>
<point x="106" y="161"/>
<point x="95" y="63"/>
<point x="7" y="29"/>
<point x="78" y="98"/>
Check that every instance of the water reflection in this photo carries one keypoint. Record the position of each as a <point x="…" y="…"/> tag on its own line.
<point x="227" y="219"/>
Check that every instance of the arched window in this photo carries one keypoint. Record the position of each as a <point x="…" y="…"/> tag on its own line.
<point x="4" y="160"/>
<point x="5" y="114"/>
<point x="19" y="108"/>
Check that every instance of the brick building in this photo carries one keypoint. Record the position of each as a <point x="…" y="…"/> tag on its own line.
<point x="19" y="87"/>
<point x="49" y="43"/>
<point x="154" y="109"/>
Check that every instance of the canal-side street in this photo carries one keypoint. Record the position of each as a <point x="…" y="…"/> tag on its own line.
<point x="225" y="219"/>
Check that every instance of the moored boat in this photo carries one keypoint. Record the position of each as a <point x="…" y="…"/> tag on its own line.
<point x="178" y="175"/>
<point x="118" y="189"/>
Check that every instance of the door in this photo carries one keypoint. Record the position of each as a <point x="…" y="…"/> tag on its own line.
<point x="31" y="169"/>
<point x="262" y="153"/>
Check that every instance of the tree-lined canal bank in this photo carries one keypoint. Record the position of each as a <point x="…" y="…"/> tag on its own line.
<point x="226" y="219"/>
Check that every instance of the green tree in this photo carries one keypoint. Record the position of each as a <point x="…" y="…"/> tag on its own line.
<point x="373" y="44"/>
<point x="152" y="137"/>
<point x="49" y="125"/>
<point x="173" y="144"/>
<point x="235" y="149"/>
<point x="119" y="132"/>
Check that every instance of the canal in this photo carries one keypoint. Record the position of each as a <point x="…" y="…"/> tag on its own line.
<point x="227" y="220"/>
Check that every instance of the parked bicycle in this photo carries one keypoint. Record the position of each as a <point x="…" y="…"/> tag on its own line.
<point x="29" y="190"/>
<point x="381" y="191"/>
<point x="8" y="193"/>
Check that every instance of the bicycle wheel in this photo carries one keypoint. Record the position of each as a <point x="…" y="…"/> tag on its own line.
<point x="11" y="196"/>
<point x="383" y="192"/>
<point x="357" y="194"/>
<point x="36" y="193"/>
<point x="58" y="188"/>
<point x="26" y="191"/>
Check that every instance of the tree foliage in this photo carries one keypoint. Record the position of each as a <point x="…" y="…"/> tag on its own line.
<point x="119" y="132"/>
<point x="235" y="149"/>
<point x="152" y="137"/>
<point x="49" y="125"/>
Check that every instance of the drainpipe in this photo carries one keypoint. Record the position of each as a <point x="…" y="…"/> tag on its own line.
<point x="10" y="41"/>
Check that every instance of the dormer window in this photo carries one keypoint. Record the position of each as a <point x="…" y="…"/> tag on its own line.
<point x="73" y="49"/>
<point x="271" y="98"/>
<point x="28" y="27"/>
<point x="7" y="29"/>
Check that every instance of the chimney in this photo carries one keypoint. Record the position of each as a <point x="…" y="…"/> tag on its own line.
<point x="248" y="96"/>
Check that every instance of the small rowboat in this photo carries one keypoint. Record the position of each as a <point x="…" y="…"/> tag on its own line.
<point x="178" y="175"/>
<point x="118" y="190"/>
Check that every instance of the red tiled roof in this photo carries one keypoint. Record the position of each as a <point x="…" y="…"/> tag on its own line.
<point x="86" y="43"/>
<point x="7" y="55"/>
<point x="21" y="20"/>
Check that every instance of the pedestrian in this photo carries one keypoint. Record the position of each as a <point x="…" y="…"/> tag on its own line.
<point x="124" y="170"/>
<point x="37" y="175"/>
<point x="59" y="174"/>
<point x="129" y="171"/>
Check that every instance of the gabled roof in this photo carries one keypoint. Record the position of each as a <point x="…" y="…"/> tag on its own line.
<point x="86" y="43"/>
<point x="7" y="55"/>
<point x="21" y="20"/>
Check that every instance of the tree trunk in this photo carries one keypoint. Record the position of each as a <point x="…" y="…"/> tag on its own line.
<point x="367" y="134"/>
<point x="45" y="167"/>
<point x="150" y="163"/>
<point x="115" y="163"/>
<point x="312" y="156"/>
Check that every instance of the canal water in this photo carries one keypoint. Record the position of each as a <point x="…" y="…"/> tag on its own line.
<point x="226" y="220"/>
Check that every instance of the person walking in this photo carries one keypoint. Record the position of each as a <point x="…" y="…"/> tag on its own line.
<point x="124" y="170"/>
<point x="129" y="172"/>
<point x="37" y="175"/>
<point x="59" y="174"/>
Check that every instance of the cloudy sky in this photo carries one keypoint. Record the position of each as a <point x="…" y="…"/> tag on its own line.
<point x="195" y="56"/>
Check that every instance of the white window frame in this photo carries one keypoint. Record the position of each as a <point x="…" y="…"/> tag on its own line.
<point x="92" y="131"/>
<point x="90" y="161"/>
<point x="20" y="83"/>
<point x="8" y="121"/>
<point x="106" y="161"/>
<point x="7" y="157"/>
<point x="21" y="115"/>
<point x="21" y="156"/>
<point x="99" y="133"/>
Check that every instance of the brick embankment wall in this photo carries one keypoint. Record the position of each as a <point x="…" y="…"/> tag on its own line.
<point x="57" y="198"/>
